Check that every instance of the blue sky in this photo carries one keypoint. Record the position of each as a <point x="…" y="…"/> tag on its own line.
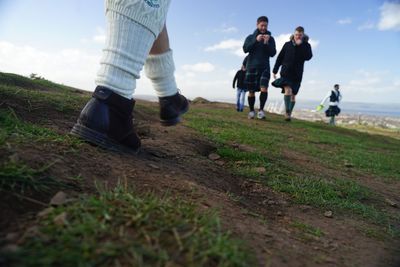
<point x="356" y="43"/>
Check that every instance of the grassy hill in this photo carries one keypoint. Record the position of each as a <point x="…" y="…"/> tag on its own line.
<point x="218" y="190"/>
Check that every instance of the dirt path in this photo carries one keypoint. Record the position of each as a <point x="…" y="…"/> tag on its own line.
<point x="174" y="161"/>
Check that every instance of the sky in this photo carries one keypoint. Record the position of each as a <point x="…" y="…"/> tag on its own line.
<point x="355" y="43"/>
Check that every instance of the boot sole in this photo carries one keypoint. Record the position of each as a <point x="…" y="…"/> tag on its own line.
<point x="175" y="121"/>
<point x="101" y="140"/>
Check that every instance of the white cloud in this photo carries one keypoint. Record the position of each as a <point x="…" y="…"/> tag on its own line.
<point x="199" y="67"/>
<point x="73" y="67"/>
<point x="233" y="46"/>
<point x="390" y="16"/>
<point x="368" y="25"/>
<point x="229" y="30"/>
<point x="232" y="73"/>
<point x="100" y="37"/>
<point x="314" y="43"/>
<point x="345" y="21"/>
<point x="212" y="88"/>
<point x="225" y="28"/>
<point x="371" y="83"/>
<point x="281" y="39"/>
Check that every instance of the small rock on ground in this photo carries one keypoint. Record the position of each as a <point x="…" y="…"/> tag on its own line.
<point x="59" y="199"/>
<point x="260" y="170"/>
<point x="61" y="219"/>
<point x="214" y="156"/>
<point x="391" y="203"/>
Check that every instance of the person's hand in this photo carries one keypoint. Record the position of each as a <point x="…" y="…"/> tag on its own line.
<point x="320" y="107"/>
<point x="266" y="38"/>
<point x="260" y="38"/>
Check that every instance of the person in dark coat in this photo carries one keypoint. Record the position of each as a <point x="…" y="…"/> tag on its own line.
<point x="291" y="61"/>
<point x="239" y="84"/>
<point x="261" y="46"/>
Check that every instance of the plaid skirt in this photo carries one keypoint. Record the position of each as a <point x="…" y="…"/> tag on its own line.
<point x="332" y="111"/>
<point x="257" y="78"/>
<point x="282" y="82"/>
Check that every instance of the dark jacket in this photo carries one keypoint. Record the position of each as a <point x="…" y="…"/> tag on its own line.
<point x="334" y="97"/>
<point x="259" y="53"/>
<point x="292" y="58"/>
<point x="239" y="78"/>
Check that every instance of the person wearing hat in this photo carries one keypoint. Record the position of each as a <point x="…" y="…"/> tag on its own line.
<point x="261" y="46"/>
<point x="334" y="97"/>
<point x="291" y="61"/>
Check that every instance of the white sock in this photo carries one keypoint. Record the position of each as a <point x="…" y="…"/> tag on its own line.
<point x="160" y="70"/>
<point x="127" y="47"/>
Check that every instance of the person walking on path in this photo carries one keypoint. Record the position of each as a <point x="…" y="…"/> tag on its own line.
<point x="261" y="47"/>
<point x="291" y="61"/>
<point x="136" y="37"/>
<point x="334" y="96"/>
<point x="239" y="84"/>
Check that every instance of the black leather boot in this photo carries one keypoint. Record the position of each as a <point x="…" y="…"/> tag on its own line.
<point x="171" y="109"/>
<point x="107" y="121"/>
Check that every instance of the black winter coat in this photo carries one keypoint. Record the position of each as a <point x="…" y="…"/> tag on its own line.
<point x="239" y="78"/>
<point x="259" y="53"/>
<point x="292" y="58"/>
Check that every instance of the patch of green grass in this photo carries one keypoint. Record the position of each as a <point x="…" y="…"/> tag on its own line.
<point x="337" y="194"/>
<point x="62" y="101"/>
<point x="16" y="80"/>
<point x="394" y="133"/>
<point x="16" y="177"/>
<point x="11" y="127"/>
<point x="306" y="228"/>
<point x="374" y="233"/>
<point x="307" y="232"/>
<point x="329" y="146"/>
<point x="326" y="146"/>
<point x="119" y="228"/>
<point x="370" y="154"/>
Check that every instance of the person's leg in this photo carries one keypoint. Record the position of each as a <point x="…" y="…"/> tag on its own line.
<point x="252" y="100"/>
<point x="252" y="84"/>
<point x="292" y="103"/>
<point x="295" y="90"/>
<point x="160" y="68"/>
<point x="238" y="95"/>
<point x="263" y="97"/>
<point x="106" y="120"/>
<point x="242" y="98"/>
<point x="332" y="121"/>
<point x="264" y="83"/>
<point x="130" y="37"/>
<point x="287" y="98"/>
<point x="263" y="100"/>
<point x="127" y="47"/>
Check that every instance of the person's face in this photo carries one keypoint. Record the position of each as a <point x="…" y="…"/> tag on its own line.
<point x="337" y="87"/>
<point x="298" y="35"/>
<point x="262" y="26"/>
